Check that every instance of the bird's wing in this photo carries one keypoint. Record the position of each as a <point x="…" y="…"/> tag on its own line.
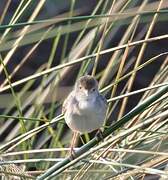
<point x="66" y="102"/>
<point x="103" y="99"/>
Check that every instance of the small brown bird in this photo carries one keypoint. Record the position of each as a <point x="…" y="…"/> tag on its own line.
<point x="85" y="108"/>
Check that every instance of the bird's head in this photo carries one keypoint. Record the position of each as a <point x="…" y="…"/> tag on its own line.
<point x="86" y="88"/>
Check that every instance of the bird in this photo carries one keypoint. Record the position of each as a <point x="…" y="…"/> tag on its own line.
<point x="84" y="109"/>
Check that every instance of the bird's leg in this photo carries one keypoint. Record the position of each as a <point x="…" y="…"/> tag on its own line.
<point x="73" y="142"/>
<point x="99" y="135"/>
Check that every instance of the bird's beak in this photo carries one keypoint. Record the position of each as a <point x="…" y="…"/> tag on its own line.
<point x="86" y="92"/>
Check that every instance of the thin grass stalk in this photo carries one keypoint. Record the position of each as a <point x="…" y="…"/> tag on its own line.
<point x="40" y="26"/>
<point x="120" y="15"/>
<point x="67" y="35"/>
<point x="38" y="160"/>
<point x="5" y="11"/>
<point x="125" y="150"/>
<point x="22" y="117"/>
<point x="135" y="142"/>
<point x="137" y="92"/>
<point x="140" y="169"/>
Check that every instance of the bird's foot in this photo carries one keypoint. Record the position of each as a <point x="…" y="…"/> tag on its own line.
<point x="99" y="135"/>
<point x="72" y="154"/>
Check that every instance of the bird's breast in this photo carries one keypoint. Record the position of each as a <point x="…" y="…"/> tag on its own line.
<point x="87" y="105"/>
<point x="85" y="116"/>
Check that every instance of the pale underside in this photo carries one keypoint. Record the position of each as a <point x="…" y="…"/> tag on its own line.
<point x="86" y="115"/>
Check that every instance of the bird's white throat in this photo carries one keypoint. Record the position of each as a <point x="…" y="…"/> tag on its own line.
<point x="87" y="104"/>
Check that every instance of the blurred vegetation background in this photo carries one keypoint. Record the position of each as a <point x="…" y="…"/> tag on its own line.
<point x="44" y="47"/>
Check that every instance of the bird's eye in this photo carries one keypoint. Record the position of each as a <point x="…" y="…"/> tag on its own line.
<point x="80" y="87"/>
<point x="93" y="89"/>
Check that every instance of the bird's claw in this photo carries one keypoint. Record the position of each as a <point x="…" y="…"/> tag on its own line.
<point x="99" y="135"/>
<point x="72" y="154"/>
